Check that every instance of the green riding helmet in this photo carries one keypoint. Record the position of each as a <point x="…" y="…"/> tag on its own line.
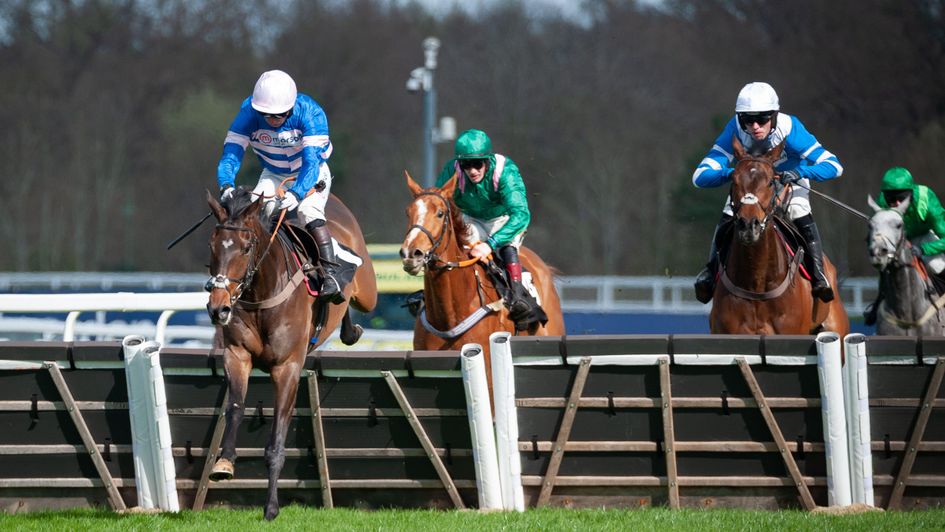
<point x="897" y="178"/>
<point x="473" y="144"/>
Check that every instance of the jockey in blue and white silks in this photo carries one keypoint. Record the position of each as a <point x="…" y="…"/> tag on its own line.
<point x="759" y="126"/>
<point x="288" y="131"/>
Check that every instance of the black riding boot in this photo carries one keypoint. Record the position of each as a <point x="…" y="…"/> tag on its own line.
<point x="518" y="301"/>
<point x="705" y="281"/>
<point x="330" y="288"/>
<point x="820" y="286"/>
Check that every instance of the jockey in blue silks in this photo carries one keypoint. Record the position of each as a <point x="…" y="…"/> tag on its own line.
<point x="288" y="131"/>
<point x="760" y="126"/>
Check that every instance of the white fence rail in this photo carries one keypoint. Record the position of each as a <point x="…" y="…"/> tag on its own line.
<point x="652" y="294"/>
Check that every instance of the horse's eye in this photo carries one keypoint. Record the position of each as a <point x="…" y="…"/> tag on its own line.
<point x="439" y="214"/>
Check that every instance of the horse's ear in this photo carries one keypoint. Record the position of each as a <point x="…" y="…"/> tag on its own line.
<point x="216" y="208"/>
<point x="903" y="205"/>
<point x="738" y="149"/>
<point x="449" y="187"/>
<point x="775" y="153"/>
<point x="872" y="203"/>
<point x="412" y="185"/>
<point x="253" y="209"/>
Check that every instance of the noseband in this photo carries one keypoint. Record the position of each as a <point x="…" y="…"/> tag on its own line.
<point x="222" y="282"/>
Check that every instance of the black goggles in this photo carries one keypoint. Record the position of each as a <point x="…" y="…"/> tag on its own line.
<point x="279" y="116"/>
<point x="761" y="119"/>
<point x="466" y="164"/>
<point x="894" y="197"/>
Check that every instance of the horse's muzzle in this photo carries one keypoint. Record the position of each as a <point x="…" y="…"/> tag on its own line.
<point x="220" y="315"/>
<point x="748" y="231"/>
<point x="413" y="261"/>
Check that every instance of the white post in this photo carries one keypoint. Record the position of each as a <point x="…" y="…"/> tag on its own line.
<point x="857" y="397"/>
<point x="833" y="414"/>
<point x="155" y="475"/>
<point x="479" y="412"/>
<point x="506" y="422"/>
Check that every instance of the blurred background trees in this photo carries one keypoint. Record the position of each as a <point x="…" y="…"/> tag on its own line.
<point x="114" y="114"/>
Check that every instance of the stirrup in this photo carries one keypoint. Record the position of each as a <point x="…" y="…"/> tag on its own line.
<point x="330" y="289"/>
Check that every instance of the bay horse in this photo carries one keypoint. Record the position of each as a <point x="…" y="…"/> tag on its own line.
<point x="454" y="288"/>
<point x="909" y="304"/>
<point x="762" y="290"/>
<point x="266" y="317"/>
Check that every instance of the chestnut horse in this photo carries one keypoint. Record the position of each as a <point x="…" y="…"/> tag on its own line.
<point x="455" y="288"/>
<point x="762" y="290"/>
<point x="266" y="317"/>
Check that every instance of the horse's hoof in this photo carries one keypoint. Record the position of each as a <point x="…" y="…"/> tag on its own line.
<point x="353" y="336"/>
<point x="222" y="470"/>
<point x="271" y="513"/>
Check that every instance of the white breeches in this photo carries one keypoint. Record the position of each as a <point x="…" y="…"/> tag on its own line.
<point x="312" y="206"/>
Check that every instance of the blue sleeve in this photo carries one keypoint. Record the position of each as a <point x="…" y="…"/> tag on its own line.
<point x="816" y="163"/>
<point x="316" y="145"/>
<point x="237" y="138"/>
<point x="714" y="170"/>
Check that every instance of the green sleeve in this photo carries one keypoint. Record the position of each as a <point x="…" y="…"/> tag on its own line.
<point x="935" y="218"/>
<point x="446" y="173"/>
<point x="513" y="198"/>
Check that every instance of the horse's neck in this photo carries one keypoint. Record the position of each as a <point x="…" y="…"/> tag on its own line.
<point x="450" y="293"/>
<point x="268" y="280"/>
<point x="744" y="260"/>
<point x="904" y="291"/>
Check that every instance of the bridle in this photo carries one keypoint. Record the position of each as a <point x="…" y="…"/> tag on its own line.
<point x="897" y="249"/>
<point x="751" y="199"/>
<point x="220" y="281"/>
<point x="431" y="260"/>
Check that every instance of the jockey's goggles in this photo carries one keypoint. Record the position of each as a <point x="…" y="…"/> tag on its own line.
<point x="279" y="116"/>
<point x="761" y="119"/>
<point x="895" y="197"/>
<point x="467" y="164"/>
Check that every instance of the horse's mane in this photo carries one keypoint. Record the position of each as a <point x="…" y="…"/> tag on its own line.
<point x="241" y="199"/>
<point x="457" y="221"/>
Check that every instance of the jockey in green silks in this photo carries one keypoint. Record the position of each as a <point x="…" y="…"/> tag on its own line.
<point x="491" y="195"/>
<point x="923" y="224"/>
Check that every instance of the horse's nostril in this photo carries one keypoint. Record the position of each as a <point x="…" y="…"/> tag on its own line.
<point x="403" y="253"/>
<point x="417" y="253"/>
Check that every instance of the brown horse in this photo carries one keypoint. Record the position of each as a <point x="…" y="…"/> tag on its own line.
<point x="266" y="316"/>
<point x="762" y="290"/>
<point x="455" y="288"/>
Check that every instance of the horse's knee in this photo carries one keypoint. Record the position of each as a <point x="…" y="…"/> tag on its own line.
<point x="275" y="457"/>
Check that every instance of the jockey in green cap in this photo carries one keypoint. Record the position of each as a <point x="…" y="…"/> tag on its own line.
<point x="923" y="224"/>
<point x="491" y="194"/>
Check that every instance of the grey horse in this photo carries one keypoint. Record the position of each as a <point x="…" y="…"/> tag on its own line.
<point x="908" y="304"/>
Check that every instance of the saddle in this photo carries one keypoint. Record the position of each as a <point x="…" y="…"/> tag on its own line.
<point x="497" y="274"/>
<point x="294" y="236"/>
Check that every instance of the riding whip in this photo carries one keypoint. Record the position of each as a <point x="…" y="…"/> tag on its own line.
<point x="191" y="230"/>
<point x="834" y="201"/>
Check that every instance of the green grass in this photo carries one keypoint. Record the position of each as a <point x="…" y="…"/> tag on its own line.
<point x="304" y="518"/>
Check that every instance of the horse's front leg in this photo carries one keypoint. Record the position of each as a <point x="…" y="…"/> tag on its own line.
<point x="238" y="364"/>
<point x="285" y="379"/>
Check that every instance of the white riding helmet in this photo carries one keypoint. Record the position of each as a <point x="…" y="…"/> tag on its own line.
<point x="274" y="93"/>
<point x="757" y="97"/>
